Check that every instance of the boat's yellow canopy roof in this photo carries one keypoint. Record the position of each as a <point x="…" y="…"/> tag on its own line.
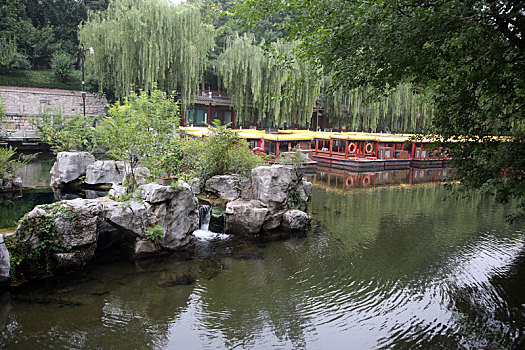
<point x="361" y="137"/>
<point x="249" y="134"/>
<point x="286" y="137"/>
<point x="392" y="138"/>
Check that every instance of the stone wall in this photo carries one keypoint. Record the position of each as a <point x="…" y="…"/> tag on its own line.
<point x="23" y="104"/>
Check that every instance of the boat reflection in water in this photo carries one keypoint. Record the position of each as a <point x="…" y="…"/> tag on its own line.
<point x="335" y="179"/>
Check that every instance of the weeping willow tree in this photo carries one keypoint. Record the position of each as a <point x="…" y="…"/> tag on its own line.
<point x="144" y="43"/>
<point x="262" y="88"/>
<point x="401" y="109"/>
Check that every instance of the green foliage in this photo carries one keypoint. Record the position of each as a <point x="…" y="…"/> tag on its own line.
<point x="42" y="79"/>
<point x="147" y="44"/>
<point x="2" y="118"/>
<point x="194" y="156"/>
<point x="36" y="41"/>
<point x="170" y="161"/>
<point x="295" y="158"/>
<point x="25" y="255"/>
<point x="126" y="198"/>
<point x="262" y="88"/>
<point x="155" y="233"/>
<point x="10" y="58"/>
<point x="294" y="200"/>
<point x="42" y="27"/>
<point x="62" y="65"/>
<point x="141" y="129"/>
<point x="177" y="184"/>
<point x="466" y="55"/>
<point x="226" y="153"/>
<point x="9" y="165"/>
<point x="68" y="133"/>
<point x="401" y="109"/>
<point x="222" y="152"/>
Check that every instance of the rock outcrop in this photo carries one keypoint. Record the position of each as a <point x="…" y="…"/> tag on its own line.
<point x="277" y="186"/>
<point x="58" y="236"/>
<point x="103" y="172"/>
<point x="175" y="209"/>
<point x="5" y="265"/>
<point x="69" y="167"/>
<point x="295" y="220"/>
<point x="7" y="184"/>
<point x="275" y="190"/>
<point x="245" y="217"/>
<point x="64" y="235"/>
<point x="229" y="187"/>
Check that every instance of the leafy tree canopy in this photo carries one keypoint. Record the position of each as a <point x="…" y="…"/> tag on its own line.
<point x="468" y="55"/>
<point x="263" y="89"/>
<point x="40" y="27"/>
<point x="148" y="43"/>
<point x="140" y="130"/>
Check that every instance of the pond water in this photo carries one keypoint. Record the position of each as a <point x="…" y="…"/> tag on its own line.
<point x="393" y="266"/>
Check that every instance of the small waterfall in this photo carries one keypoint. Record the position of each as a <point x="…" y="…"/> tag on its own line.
<point x="204" y="233"/>
<point x="204" y="217"/>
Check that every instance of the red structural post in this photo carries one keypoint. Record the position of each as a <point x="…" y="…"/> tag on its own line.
<point x="209" y="114"/>
<point x="233" y="118"/>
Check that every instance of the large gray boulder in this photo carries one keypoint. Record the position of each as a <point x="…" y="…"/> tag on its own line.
<point x="145" y="247"/>
<point x="75" y="226"/>
<point x="5" y="265"/>
<point x="245" y="217"/>
<point x="296" y="221"/>
<point x="131" y="217"/>
<point x="154" y="193"/>
<point x="273" y="185"/>
<point x="174" y="208"/>
<point x="178" y="214"/>
<point x="195" y="185"/>
<point x="274" y="191"/>
<point x="70" y="166"/>
<point x="72" y="225"/>
<point x="104" y="172"/>
<point x="229" y="187"/>
<point x="116" y="191"/>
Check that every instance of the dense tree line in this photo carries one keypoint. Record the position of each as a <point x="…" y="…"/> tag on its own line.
<point x="39" y="28"/>
<point x="147" y="43"/>
<point x="468" y="56"/>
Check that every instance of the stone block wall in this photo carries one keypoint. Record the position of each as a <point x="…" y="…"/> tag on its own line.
<point x="22" y="104"/>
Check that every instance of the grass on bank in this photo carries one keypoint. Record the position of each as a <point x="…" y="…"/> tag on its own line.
<point x="41" y="79"/>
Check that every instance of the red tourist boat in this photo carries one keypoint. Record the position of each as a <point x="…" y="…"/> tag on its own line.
<point x="361" y="151"/>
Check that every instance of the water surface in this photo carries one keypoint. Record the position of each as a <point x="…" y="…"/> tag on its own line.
<point x="386" y="267"/>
